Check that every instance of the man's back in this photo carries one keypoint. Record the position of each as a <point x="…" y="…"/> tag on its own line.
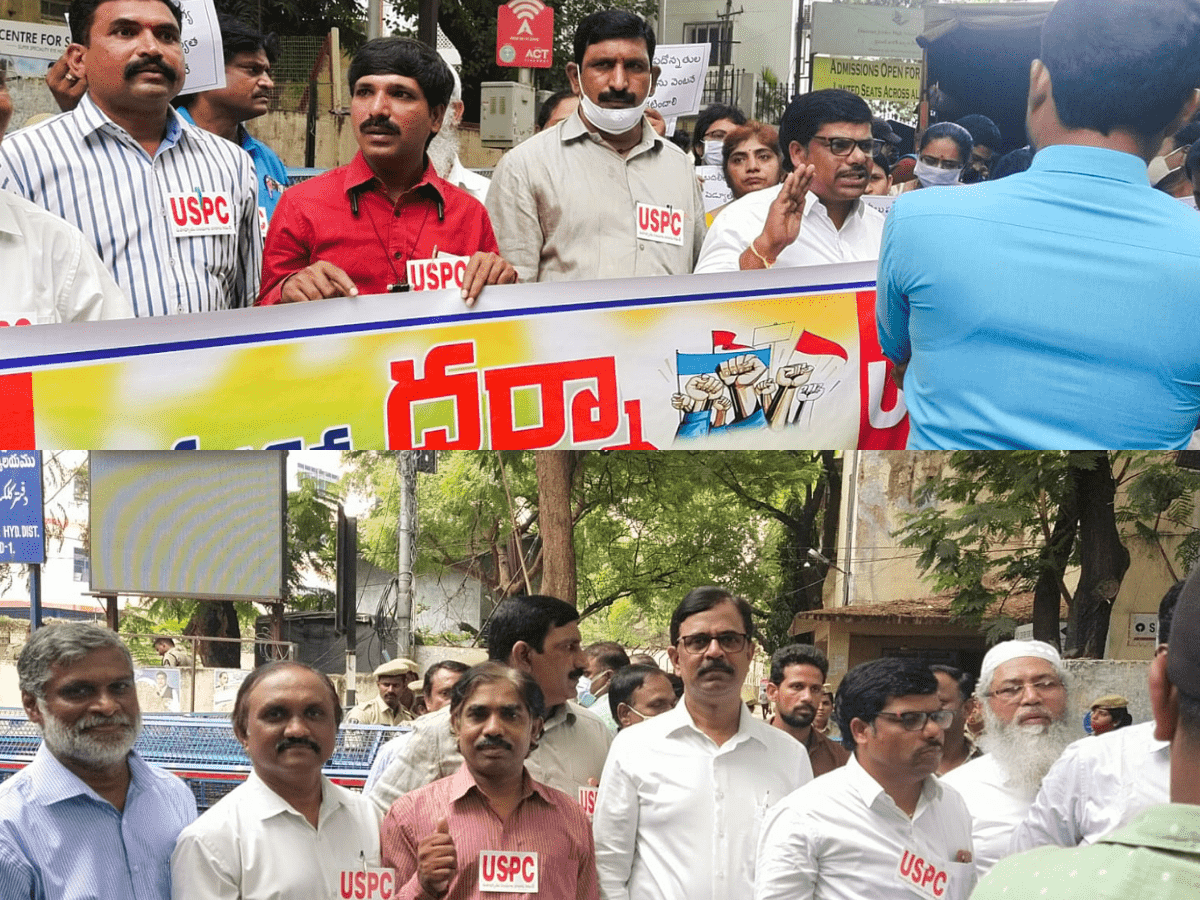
<point x="1055" y="308"/>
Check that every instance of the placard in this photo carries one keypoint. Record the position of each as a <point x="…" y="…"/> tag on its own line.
<point x="681" y="82"/>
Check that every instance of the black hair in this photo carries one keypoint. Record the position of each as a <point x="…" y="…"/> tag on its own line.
<point x="881" y="162"/>
<point x="236" y="37"/>
<point x="982" y="130"/>
<point x="627" y="680"/>
<point x="702" y="599"/>
<point x="526" y="618"/>
<point x="1126" y="66"/>
<point x="609" y="654"/>
<point x="1191" y="165"/>
<point x="611" y="24"/>
<point x="83" y="12"/>
<point x="798" y="655"/>
<point x="807" y="113"/>
<point x="867" y="688"/>
<point x="409" y="58"/>
<point x="1186" y="135"/>
<point x="1166" y="611"/>
<point x="547" y="108"/>
<point x="1120" y="716"/>
<point x="450" y="665"/>
<point x="956" y="133"/>
<point x="492" y="671"/>
<point x="964" y="680"/>
<point x="714" y="112"/>
<point x="1011" y="163"/>
<point x="241" y="705"/>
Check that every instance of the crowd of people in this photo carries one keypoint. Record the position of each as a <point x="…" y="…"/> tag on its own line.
<point x="510" y="781"/>
<point x="1047" y="308"/>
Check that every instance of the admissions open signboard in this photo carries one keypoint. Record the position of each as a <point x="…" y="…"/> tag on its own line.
<point x="525" y="34"/>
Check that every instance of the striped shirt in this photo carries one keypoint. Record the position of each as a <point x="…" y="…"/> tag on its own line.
<point x="179" y="232"/>
<point x="59" y="840"/>
<point x="546" y="821"/>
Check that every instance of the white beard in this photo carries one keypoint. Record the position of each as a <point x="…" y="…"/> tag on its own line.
<point x="443" y="149"/>
<point x="1024" y="753"/>
<point x="74" y="743"/>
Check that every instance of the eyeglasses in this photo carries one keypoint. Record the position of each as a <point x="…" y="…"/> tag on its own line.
<point x="1012" y="692"/>
<point x="730" y="642"/>
<point x="946" y="164"/>
<point x="915" y="721"/>
<point x="841" y="146"/>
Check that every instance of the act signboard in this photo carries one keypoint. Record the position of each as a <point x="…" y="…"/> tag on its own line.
<point x="525" y="34"/>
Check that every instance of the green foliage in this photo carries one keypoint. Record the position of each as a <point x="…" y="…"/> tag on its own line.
<point x="648" y="526"/>
<point x="982" y="529"/>
<point x="312" y="547"/>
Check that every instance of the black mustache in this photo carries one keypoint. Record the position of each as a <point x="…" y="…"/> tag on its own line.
<point x="298" y="742"/>
<point x="151" y="65"/>
<point x="616" y="97"/>
<point x="381" y="123"/>
<point x="578" y="673"/>
<point x="489" y="743"/>
<point x="717" y="665"/>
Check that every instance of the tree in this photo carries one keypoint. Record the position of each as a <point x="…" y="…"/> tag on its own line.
<point x="998" y="523"/>
<point x="301" y="17"/>
<point x="645" y="527"/>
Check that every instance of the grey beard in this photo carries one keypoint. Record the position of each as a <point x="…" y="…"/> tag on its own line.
<point x="443" y="149"/>
<point x="76" y="744"/>
<point x="1024" y="754"/>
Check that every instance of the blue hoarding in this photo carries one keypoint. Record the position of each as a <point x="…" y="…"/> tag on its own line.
<point x="22" y="538"/>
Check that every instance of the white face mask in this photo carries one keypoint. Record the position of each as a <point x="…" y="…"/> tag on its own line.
<point x="714" y="153"/>
<point x="613" y="121"/>
<point x="933" y="176"/>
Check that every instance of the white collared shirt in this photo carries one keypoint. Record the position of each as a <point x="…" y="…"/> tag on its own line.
<point x="997" y="807"/>
<point x="843" y="837"/>
<point x="51" y="273"/>
<point x="1096" y="786"/>
<point x="677" y="817"/>
<point x="254" y="845"/>
<point x="819" y="242"/>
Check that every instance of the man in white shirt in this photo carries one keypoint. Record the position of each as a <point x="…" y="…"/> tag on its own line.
<point x="539" y="635"/>
<point x="882" y="825"/>
<point x="1023" y="694"/>
<point x="1102" y="783"/>
<point x="51" y="273"/>
<point x="815" y="216"/>
<point x="683" y="794"/>
<point x="288" y="831"/>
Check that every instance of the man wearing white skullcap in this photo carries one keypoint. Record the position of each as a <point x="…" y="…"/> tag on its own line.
<point x="1023" y="695"/>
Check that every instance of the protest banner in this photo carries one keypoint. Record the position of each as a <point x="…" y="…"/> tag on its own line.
<point x="785" y="358"/>
<point x="680" y="84"/>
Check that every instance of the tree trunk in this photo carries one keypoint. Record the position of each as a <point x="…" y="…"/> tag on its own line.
<point x="555" y="474"/>
<point x="1103" y="558"/>
<point x="216" y="618"/>
<point x="1047" y="593"/>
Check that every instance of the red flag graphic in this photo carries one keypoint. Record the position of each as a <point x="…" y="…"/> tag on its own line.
<point x="815" y="345"/>
<point x="727" y="340"/>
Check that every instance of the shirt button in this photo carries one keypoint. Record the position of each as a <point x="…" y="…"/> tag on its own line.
<point x="396" y="255"/>
<point x="397" y="214"/>
<point x="641" y="246"/>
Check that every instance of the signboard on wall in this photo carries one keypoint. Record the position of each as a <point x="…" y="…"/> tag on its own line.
<point x="840" y="29"/>
<point x="897" y="80"/>
<point x="525" y="34"/>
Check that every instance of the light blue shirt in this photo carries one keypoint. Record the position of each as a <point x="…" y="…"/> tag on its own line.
<point x="59" y="840"/>
<point x="270" y="172"/>
<point x="1058" y="308"/>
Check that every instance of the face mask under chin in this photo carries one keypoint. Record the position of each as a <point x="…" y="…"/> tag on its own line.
<point x="612" y="121"/>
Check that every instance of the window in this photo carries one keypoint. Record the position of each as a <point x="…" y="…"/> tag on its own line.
<point x="82" y="566"/>
<point x="718" y="35"/>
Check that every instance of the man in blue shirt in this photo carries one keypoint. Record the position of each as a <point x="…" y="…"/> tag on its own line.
<point x="249" y="56"/>
<point x="88" y="817"/>
<point x="1059" y="308"/>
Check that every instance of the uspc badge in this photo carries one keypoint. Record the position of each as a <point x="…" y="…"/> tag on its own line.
<point x="508" y="871"/>
<point x="200" y="213"/>
<point x="660" y="224"/>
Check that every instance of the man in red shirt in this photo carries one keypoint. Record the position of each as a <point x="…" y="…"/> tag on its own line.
<point x="468" y="834"/>
<point x="376" y="225"/>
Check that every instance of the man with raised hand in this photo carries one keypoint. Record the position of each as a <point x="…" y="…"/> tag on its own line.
<point x="490" y="826"/>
